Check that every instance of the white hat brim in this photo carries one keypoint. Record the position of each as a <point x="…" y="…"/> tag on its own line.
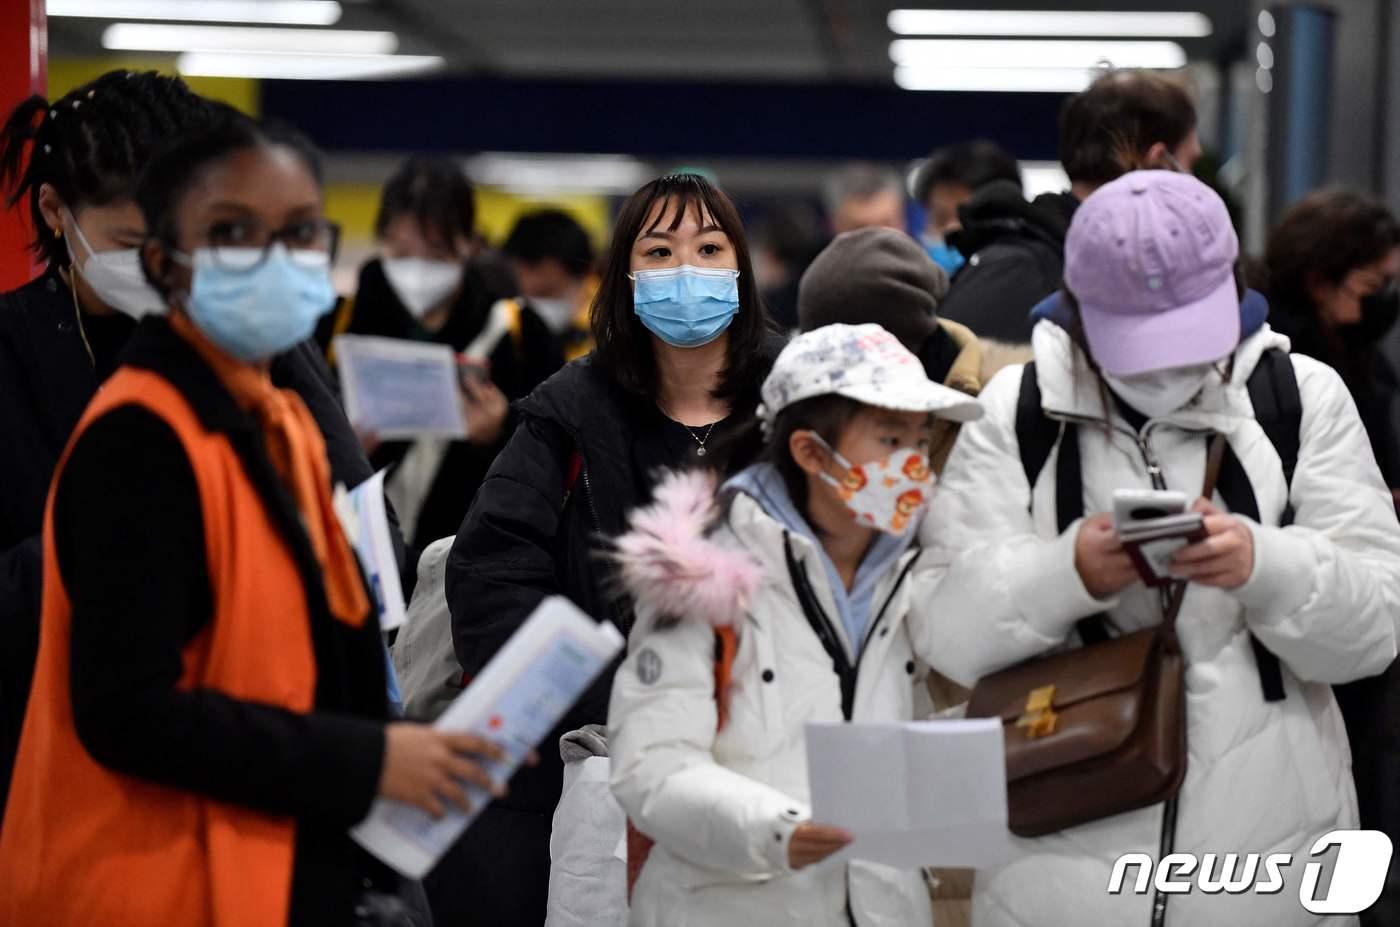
<point x="939" y="400"/>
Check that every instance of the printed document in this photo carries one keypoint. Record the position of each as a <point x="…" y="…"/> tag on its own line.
<point x="516" y="701"/>
<point x="397" y="389"/>
<point x="927" y="793"/>
<point x="365" y="522"/>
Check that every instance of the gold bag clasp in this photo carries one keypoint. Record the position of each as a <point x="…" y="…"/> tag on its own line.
<point x="1039" y="717"/>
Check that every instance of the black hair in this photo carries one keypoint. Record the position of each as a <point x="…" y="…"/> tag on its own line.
<point x="551" y="234"/>
<point x="92" y="144"/>
<point x="437" y="193"/>
<point x="1107" y="129"/>
<point x="1323" y="238"/>
<point x="176" y="169"/>
<point x="826" y="415"/>
<point x="971" y="164"/>
<point x="624" y="350"/>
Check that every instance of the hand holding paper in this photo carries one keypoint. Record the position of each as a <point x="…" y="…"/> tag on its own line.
<point x="930" y="793"/>
<point x="514" y="703"/>
<point x="400" y="389"/>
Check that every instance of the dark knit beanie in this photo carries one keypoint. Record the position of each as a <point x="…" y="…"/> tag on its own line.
<point x="878" y="275"/>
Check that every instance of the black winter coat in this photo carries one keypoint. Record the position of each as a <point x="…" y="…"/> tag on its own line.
<point x="46" y="381"/>
<point x="538" y="528"/>
<point x="1015" y="258"/>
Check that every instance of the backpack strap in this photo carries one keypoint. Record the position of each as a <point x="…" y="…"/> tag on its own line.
<point x="1036" y="436"/>
<point x="1278" y="407"/>
<point x="1035" y="433"/>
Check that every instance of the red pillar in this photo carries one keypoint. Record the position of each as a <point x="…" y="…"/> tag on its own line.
<point x="24" y="53"/>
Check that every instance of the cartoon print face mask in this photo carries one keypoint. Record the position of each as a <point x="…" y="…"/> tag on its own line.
<point x="888" y="494"/>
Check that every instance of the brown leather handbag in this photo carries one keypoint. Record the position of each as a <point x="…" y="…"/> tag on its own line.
<point x="1097" y="730"/>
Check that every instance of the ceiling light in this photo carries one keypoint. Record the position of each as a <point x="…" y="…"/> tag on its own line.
<point x="1003" y="79"/>
<point x="555" y="174"/>
<point x="271" y="12"/>
<point x="978" y="53"/>
<point x="160" y="37"/>
<point x="1049" y="23"/>
<point x="303" y="67"/>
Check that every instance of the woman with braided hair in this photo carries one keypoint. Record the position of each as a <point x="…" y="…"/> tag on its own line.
<point x="61" y="334"/>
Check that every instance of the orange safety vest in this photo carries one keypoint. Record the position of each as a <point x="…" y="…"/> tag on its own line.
<point x="84" y="846"/>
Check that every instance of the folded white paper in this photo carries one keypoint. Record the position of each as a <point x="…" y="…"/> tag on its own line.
<point x="516" y="701"/>
<point x="365" y="521"/>
<point x="400" y="389"/>
<point x="928" y="793"/>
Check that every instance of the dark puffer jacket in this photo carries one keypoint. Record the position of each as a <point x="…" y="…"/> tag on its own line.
<point x="1015" y="252"/>
<point x="538" y="527"/>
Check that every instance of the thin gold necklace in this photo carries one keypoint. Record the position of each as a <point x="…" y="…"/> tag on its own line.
<point x="78" y="316"/>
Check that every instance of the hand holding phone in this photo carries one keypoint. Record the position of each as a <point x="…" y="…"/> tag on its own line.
<point x="1152" y="526"/>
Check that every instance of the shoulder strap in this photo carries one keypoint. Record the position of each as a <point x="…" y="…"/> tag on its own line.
<point x="1035" y="433"/>
<point x="1278" y="407"/>
<point x="1036" y="436"/>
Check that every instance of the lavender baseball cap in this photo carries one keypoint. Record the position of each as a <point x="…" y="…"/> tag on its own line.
<point x="1150" y="258"/>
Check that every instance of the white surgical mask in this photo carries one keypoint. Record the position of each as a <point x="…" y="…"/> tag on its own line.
<point x="1161" y="392"/>
<point x="420" y="283"/>
<point x="557" y="311"/>
<point x="115" y="276"/>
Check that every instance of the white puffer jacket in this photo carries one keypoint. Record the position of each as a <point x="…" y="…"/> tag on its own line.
<point x="1324" y="597"/>
<point x="722" y="806"/>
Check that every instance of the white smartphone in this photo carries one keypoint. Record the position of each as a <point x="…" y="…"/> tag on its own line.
<point x="1138" y="505"/>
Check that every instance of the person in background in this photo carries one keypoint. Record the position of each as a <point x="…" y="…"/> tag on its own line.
<point x="683" y="344"/>
<point x="553" y="259"/>
<point x="804" y="565"/>
<point x="883" y="276"/>
<point x="426" y="286"/>
<point x="861" y="195"/>
<point x="61" y="334"/>
<point x="1126" y="120"/>
<point x="1153" y="363"/>
<point x="786" y="240"/>
<point x="948" y="180"/>
<point x="1331" y="265"/>
<point x="208" y="715"/>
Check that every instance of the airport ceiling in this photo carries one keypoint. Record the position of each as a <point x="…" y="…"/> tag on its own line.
<point x="808" y="41"/>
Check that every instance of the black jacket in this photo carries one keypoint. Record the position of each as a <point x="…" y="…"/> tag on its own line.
<point x="1015" y="258"/>
<point x="46" y="381"/>
<point x="517" y="367"/>
<point x="584" y="454"/>
<point x="127" y="508"/>
<point x="1359" y="353"/>
<point x="537" y="530"/>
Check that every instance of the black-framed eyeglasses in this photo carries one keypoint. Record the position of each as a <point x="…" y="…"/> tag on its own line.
<point x="244" y="244"/>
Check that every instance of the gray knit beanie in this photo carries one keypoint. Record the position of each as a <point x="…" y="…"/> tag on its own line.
<point x="875" y="275"/>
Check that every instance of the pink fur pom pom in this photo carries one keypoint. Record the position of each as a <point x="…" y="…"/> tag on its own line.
<point x="668" y="564"/>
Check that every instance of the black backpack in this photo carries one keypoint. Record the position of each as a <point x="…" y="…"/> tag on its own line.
<point x="1278" y="407"/>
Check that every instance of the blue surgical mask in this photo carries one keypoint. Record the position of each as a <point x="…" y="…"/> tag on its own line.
<point x="266" y="309"/>
<point x="944" y="255"/>
<point x="686" y="306"/>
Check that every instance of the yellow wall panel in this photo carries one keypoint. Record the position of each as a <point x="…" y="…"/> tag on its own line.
<point x="65" y="74"/>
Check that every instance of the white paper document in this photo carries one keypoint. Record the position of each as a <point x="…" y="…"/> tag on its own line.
<point x="516" y="701"/>
<point x="365" y="521"/>
<point x="927" y="793"/>
<point x="400" y="389"/>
